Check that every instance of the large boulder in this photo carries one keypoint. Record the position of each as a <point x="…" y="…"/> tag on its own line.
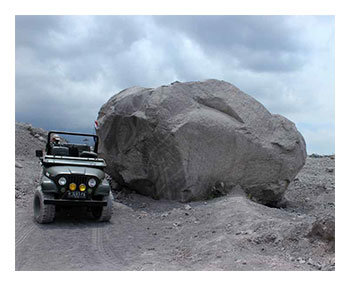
<point x="184" y="140"/>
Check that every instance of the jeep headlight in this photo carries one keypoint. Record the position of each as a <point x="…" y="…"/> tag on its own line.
<point x="62" y="181"/>
<point x="92" y="183"/>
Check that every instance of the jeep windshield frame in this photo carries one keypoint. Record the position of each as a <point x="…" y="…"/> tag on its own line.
<point x="95" y="137"/>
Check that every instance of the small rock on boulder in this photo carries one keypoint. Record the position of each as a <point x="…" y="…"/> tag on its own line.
<point x="18" y="165"/>
<point x="187" y="140"/>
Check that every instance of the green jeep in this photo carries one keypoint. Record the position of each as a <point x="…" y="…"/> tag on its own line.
<point x="72" y="175"/>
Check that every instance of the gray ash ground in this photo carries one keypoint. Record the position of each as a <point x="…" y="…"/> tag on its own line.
<point x="226" y="233"/>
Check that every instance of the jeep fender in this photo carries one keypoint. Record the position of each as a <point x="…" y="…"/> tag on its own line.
<point x="48" y="186"/>
<point x="103" y="189"/>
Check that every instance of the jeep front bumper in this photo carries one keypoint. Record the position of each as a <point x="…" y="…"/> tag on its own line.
<point x="89" y="203"/>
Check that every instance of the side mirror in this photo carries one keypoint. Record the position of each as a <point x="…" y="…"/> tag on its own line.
<point x="39" y="153"/>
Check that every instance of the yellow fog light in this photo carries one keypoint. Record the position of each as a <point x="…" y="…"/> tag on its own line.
<point x="72" y="186"/>
<point x="82" y="187"/>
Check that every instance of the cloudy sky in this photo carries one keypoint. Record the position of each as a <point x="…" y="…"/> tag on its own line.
<point x="68" y="66"/>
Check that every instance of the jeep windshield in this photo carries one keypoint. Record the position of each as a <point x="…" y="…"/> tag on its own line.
<point x="72" y="145"/>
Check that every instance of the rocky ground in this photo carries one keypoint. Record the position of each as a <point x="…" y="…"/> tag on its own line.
<point x="226" y="233"/>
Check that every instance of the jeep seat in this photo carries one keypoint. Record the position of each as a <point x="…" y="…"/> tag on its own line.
<point x="60" y="151"/>
<point x="88" y="154"/>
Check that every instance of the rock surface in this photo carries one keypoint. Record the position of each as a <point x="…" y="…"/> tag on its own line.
<point x="181" y="141"/>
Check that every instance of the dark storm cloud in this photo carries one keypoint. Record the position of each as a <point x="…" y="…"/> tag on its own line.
<point x="68" y="66"/>
<point x="109" y="32"/>
<point x="82" y="45"/>
<point x="34" y="30"/>
<point x="260" y="43"/>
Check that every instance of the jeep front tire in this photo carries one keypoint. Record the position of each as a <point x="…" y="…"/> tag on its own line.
<point x="43" y="213"/>
<point x="104" y="213"/>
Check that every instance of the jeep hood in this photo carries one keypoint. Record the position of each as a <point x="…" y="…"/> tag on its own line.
<point x="75" y="170"/>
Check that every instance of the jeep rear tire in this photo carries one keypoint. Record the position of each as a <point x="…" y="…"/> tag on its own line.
<point x="104" y="213"/>
<point x="43" y="213"/>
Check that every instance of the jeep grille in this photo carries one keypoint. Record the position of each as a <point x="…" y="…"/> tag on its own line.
<point x="78" y="179"/>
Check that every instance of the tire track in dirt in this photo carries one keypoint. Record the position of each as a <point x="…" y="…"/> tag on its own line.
<point x="23" y="235"/>
<point x="24" y="232"/>
<point x="105" y="250"/>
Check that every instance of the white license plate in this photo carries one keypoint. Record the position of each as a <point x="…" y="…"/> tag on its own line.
<point x="76" y="195"/>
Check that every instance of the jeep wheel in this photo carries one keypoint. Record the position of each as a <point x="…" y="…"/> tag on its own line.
<point x="104" y="213"/>
<point x="43" y="213"/>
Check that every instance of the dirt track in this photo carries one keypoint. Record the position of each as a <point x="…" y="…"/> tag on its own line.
<point x="226" y="233"/>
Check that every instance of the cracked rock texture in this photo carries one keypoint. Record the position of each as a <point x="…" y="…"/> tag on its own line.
<point x="180" y="141"/>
